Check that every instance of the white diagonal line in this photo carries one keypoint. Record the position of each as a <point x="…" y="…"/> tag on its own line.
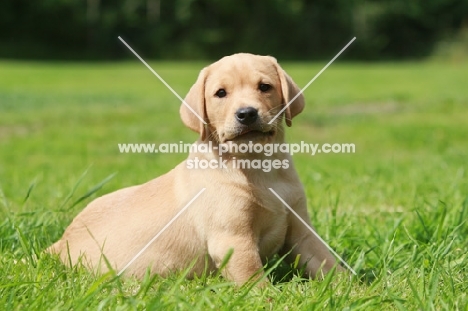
<point x="313" y="79"/>
<point x="160" y="232"/>
<point x="162" y="80"/>
<point x="312" y="230"/>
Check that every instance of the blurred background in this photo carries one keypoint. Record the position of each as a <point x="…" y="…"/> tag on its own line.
<point x="209" y="29"/>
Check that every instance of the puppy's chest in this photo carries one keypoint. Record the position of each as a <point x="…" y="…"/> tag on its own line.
<point x="270" y="223"/>
<point x="270" y="220"/>
<point x="271" y="232"/>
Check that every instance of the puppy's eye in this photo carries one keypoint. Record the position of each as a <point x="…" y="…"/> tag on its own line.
<point x="264" y="87"/>
<point x="221" y="93"/>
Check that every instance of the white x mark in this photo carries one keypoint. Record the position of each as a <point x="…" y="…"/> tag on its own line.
<point x="313" y="232"/>
<point x="310" y="82"/>
<point x="162" y="80"/>
<point x="160" y="232"/>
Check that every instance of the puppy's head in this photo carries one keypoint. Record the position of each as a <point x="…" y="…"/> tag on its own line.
<point x="238" y="96"/>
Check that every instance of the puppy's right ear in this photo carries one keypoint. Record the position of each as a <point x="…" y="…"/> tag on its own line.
<point x="193" y="110"/>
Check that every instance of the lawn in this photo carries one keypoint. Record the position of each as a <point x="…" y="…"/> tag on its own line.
<point x="396" y="210"/>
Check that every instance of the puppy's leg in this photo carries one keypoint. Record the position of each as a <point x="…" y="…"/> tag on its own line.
<point x="314" y="255"/>
<point x="245" y="263"/>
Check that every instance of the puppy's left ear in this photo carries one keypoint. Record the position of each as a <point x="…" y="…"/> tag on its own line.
<point x="195" y="100"/>
<point x="289" y="90"/>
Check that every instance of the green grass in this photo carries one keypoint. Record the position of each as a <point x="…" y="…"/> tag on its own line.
<point x="397" y="209"/>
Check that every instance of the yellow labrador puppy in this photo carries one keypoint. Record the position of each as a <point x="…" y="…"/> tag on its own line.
<point x="237" y="96"/>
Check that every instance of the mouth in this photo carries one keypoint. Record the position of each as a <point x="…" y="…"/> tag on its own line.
<point x="250" y="135"/>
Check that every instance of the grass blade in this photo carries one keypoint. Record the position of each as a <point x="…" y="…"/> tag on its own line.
<point x="92" y="190"/>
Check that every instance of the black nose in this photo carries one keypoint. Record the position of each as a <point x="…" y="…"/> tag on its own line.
<point x="247" y="115"/>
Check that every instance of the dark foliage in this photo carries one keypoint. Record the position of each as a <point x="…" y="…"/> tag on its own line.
<point x="194" y="29"/>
